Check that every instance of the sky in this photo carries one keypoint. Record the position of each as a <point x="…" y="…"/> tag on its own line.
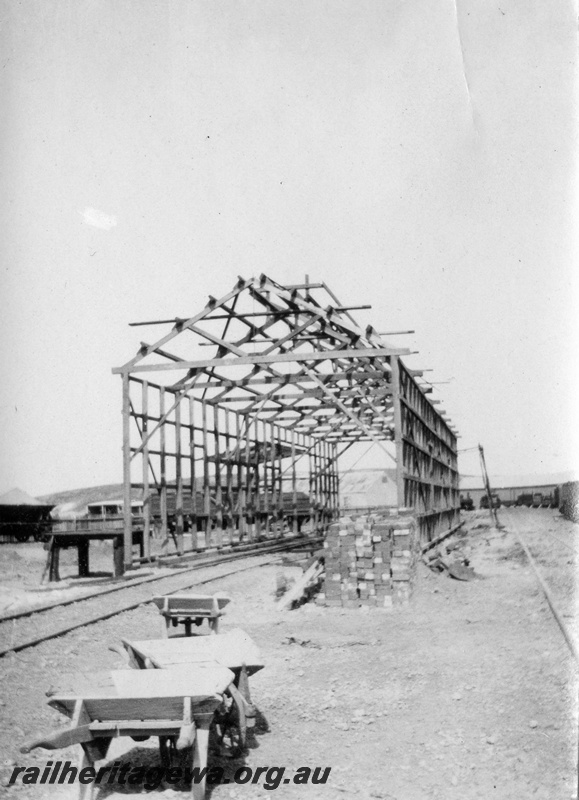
<point x="418" y="155"/>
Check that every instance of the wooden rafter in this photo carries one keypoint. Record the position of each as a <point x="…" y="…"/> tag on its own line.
<point x="292" y="375"/>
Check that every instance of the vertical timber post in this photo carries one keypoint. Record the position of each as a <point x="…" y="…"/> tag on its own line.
<point x="206" y="498"/>
<point x="163" y="476"/>
<point x="294" y="484"/>
<point x="218" y="488"/>
<point x="336" y="483"/>
<point x="398" y="441"/>
<point x="127" y="518"/>
<point x="241" y="494"/>
<point x="179" y="520"/>
<point x="194" y="531"/>
<point x="146" y="487"/>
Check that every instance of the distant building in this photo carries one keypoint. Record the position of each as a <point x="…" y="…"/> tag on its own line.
<point x="23" y="517"/>
<point x="368" y="488"/>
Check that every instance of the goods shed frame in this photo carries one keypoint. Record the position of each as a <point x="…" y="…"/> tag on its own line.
<point x="213" y="443"/>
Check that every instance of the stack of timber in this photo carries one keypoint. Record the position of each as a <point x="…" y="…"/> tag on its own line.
<point x="370" y="561"/>
<point x="569" y="500"/>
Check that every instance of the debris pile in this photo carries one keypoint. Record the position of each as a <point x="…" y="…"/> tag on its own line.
<point x="306" y="586"/>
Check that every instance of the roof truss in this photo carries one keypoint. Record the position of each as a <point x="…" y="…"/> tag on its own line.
<point x="289" y="354"/>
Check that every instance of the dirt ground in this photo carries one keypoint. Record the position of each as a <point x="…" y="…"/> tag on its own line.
<point x="470" y="692"/>
<point x="22" y="567"/>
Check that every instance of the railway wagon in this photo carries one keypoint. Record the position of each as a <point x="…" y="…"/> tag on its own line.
<point x="208" y="512"/>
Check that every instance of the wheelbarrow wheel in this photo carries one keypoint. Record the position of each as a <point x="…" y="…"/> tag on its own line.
<point x="230" y="722"/>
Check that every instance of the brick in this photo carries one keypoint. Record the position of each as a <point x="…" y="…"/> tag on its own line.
<point x="381" y="529"/>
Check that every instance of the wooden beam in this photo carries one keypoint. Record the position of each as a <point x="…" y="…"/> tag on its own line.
<point x="354" y="418"/>
<point x="239" y="287"/>
<point x="279" y="358"/>
<point x="266" y="380"/>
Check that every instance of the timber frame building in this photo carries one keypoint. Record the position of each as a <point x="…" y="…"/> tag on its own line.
<point x="223" y="412"/>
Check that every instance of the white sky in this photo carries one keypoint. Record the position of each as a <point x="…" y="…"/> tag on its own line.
<point x="416" y="155"/>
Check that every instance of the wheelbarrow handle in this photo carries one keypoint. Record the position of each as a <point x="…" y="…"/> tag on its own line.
<point x="66" y="738"/>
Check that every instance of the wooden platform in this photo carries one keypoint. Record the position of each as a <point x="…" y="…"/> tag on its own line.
<point x="61" y="540"/>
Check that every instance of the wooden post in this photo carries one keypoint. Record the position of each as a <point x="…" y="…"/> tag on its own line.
<point x="257" y="486"/>
<point x="274" y="481"/>
<point x="145" y="460"/>
<point x="83" y="558"/>
<point x="294" y="484"/>
<point x="118" y="566"/>
<point x="163" y="472"/>
<point x="229" y="479"/>
<point x="336" y="483"/>
<point x="54" y="571"/>
<point x="241" y="498"/>
<point x="178" y="481"/>
<point x="265" y="478"/>
<point x="282" y="434"/>
<point x="218" y="488"/>
<point x="327" y="494"/>
<point x="194" y="533"/>
<point x="317" y="480"/>
<point x="398" y="432"/>
<point x="311" y="463"/>
<point x="127" y="516"/>
<point x="206" y="496"/>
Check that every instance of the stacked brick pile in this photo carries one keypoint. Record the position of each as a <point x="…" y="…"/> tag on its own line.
<point x="370" y="561"/>
<point x="569" y="500"/>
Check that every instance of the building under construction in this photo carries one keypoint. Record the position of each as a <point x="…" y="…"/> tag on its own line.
<point x="224" y="414"/>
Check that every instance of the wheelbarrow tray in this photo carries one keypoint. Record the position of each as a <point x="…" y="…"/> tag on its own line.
<point x="190" y="604"/>
<point x="165" y="703"/>
<point x="233" y="650"/>
<point x="147" y="699"/>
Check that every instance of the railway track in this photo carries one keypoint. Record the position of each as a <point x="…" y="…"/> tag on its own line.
<point x="191" y="562"/>
<point x="30" y="628"/>
<point x="529" y="528"/>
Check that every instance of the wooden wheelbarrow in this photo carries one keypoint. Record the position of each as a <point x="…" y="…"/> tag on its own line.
<point x="174" y="704"/>
<point x="187" y="609"/>
<point x="234" y="650"/>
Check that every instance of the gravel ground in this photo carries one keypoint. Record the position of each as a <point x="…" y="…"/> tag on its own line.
<point x="470" y="692"/>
